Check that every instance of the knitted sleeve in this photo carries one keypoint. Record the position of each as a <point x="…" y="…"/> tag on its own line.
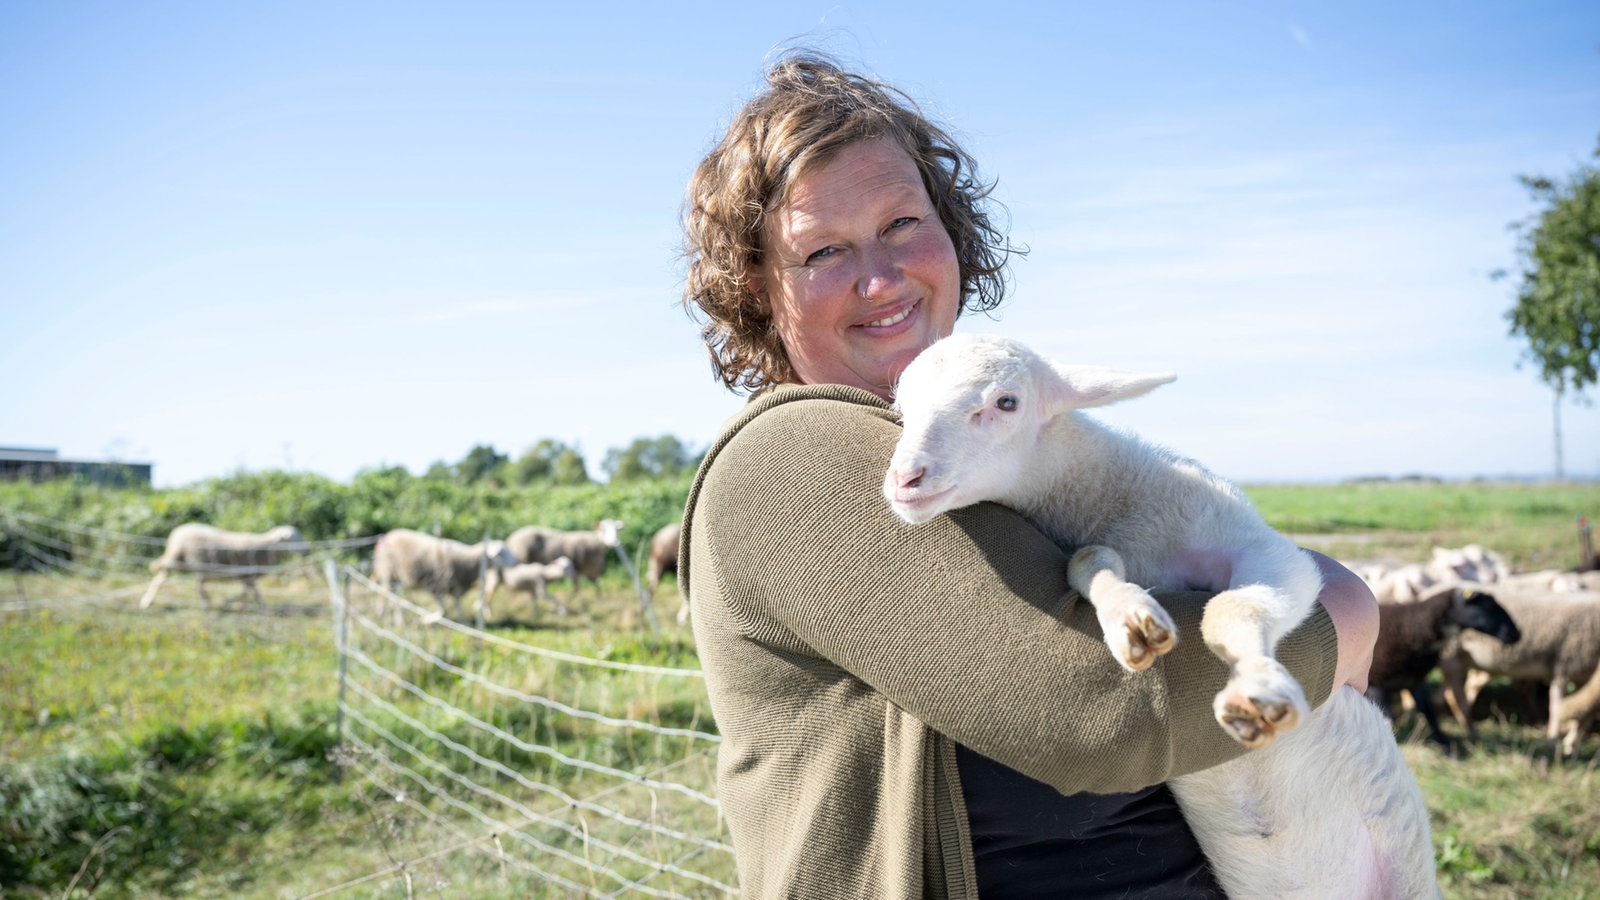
<point x="967" y="621"/>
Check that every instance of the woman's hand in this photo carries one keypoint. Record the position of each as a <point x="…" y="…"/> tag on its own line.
<point x="1354" y="611"/>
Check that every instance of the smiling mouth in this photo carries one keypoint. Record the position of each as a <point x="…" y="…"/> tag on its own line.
<point x="895" y="319"/>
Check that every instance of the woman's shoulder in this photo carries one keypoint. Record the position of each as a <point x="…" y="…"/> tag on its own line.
<point x="797" y="421"/>
<point x="828" y="404"/>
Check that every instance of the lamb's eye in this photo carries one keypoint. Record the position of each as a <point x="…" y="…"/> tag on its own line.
<point x="1006" y="403"/>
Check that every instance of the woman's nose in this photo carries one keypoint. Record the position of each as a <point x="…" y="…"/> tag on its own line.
<point x="880" y="275"/>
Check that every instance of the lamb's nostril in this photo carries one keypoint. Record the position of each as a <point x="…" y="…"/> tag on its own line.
<point x="912" y="479"/>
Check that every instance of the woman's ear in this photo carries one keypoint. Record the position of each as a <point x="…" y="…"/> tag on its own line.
<point x="756" y="283"/>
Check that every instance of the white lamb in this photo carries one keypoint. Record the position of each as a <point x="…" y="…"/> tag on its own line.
<point x="1329" y="809"/>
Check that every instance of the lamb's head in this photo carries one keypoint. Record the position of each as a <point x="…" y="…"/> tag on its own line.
<point x="608" y="530"/>
<point x="561" y="568"/>
<point x="973" y="407"/>
<point x="284" y="534"/>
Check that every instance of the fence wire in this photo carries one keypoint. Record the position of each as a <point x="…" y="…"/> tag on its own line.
<point x="548" y="773"/>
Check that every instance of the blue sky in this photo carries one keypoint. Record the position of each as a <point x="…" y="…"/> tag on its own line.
<point x="329" y="236"/>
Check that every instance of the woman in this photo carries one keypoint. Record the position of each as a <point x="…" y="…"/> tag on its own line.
<point x="909" y="712"/>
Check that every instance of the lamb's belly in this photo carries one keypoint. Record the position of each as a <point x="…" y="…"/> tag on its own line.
<point x="1327" y="811"/>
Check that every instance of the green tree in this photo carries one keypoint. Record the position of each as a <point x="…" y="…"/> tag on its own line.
<point x="1558" y="299"/>
<point x="479" y="464"/>
<point x="652" y="458"/>
<point x="549" y="461"/>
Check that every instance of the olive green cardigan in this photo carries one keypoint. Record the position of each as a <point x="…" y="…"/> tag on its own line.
<point x="846" y="653"/>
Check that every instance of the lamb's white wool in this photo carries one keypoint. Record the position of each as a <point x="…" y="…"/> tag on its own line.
<point x="1329" y="809"/>
<point x="211" y="552"/>
<point x="533" y="579"/>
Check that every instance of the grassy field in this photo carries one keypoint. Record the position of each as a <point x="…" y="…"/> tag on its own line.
<point x="187" y="752"/>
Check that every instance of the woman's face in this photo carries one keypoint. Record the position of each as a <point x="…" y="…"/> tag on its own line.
<point x="858" y="271"/>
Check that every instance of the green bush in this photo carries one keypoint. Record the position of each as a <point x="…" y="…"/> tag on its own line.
<point x="375" y="501"/>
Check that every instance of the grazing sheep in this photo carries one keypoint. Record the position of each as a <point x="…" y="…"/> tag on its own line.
<point x="1578" y="711"/>
<point x="1556" y="580"/>
<point x="441" y="566"/>
<point x="1330" y="808"/>
<point x="1560" y="645"/>
<point x="532" y="578"/>
<point x="1405" y="583"/>
<point x="663" y="558"/>
<point x="210" y="552"/>
<point x="1411" y="634"/>
<point x="587" y="549"/>
<point x="1469" y="563"/>
<point x="1402" y="584"/>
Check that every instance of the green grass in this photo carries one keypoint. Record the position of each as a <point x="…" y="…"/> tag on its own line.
<point x="1534" y="525"/>
<point x="182" y="752"/>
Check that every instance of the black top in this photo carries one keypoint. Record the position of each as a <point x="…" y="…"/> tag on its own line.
<point x="1031" y="841"/>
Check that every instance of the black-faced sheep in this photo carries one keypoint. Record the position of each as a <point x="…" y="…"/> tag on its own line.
<point x="587" y="549"/>
<point x="1329" y="808"/>
<point x="1412" y="633"/>
<point x="533" y="579"/>
<point x="211" y="552"/>
<point x="1560" y="645"/>
<point x="441" y="566"/>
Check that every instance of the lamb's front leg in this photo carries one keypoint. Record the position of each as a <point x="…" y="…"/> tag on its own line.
<point x="1261" y="697"/>
<point x="1137" y="628"/>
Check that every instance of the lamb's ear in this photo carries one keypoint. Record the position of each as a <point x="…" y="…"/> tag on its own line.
<point x="1077" y="387"/>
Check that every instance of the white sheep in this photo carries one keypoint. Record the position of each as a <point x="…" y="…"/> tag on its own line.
<point x="1472" y="562"/>
<point x="1560" y="645"/>
<point x="533" y="579"/>
<point x="211" y="552"/>
<point x="1329" y="808"/>
<point x="441" y="566"/>
<point x="587" y="549"/>
<point x="663" y="558"/>
<point x="1558" y="580"/>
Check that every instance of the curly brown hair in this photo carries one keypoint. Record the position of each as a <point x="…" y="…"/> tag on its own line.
<point x="810" y="110"/>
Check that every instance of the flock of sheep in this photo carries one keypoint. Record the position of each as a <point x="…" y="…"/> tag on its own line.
<point x="1467" y="614"/>
<point x="528" y="560"/>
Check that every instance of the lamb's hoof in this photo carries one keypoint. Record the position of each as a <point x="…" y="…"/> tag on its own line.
<point x="1260" y="702"/>
<point x="1139" y="631"/>
<point x="1147" y="639"/>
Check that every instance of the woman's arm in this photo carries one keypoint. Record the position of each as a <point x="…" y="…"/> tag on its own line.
<point x="1354" y="611"/>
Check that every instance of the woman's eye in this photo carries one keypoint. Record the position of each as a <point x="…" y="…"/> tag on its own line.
<point x="1006" y="403"/>
<point x="822" y="254"/>
<point x="902" y="221"/>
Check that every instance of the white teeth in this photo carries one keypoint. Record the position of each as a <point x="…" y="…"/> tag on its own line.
<point x="890" y="321"/>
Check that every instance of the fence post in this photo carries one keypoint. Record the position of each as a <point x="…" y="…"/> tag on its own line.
<point x="483" y="579"/>
<point x="341" y="617"/>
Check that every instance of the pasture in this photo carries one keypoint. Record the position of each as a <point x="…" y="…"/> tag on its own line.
<point x="191" y="751"/>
